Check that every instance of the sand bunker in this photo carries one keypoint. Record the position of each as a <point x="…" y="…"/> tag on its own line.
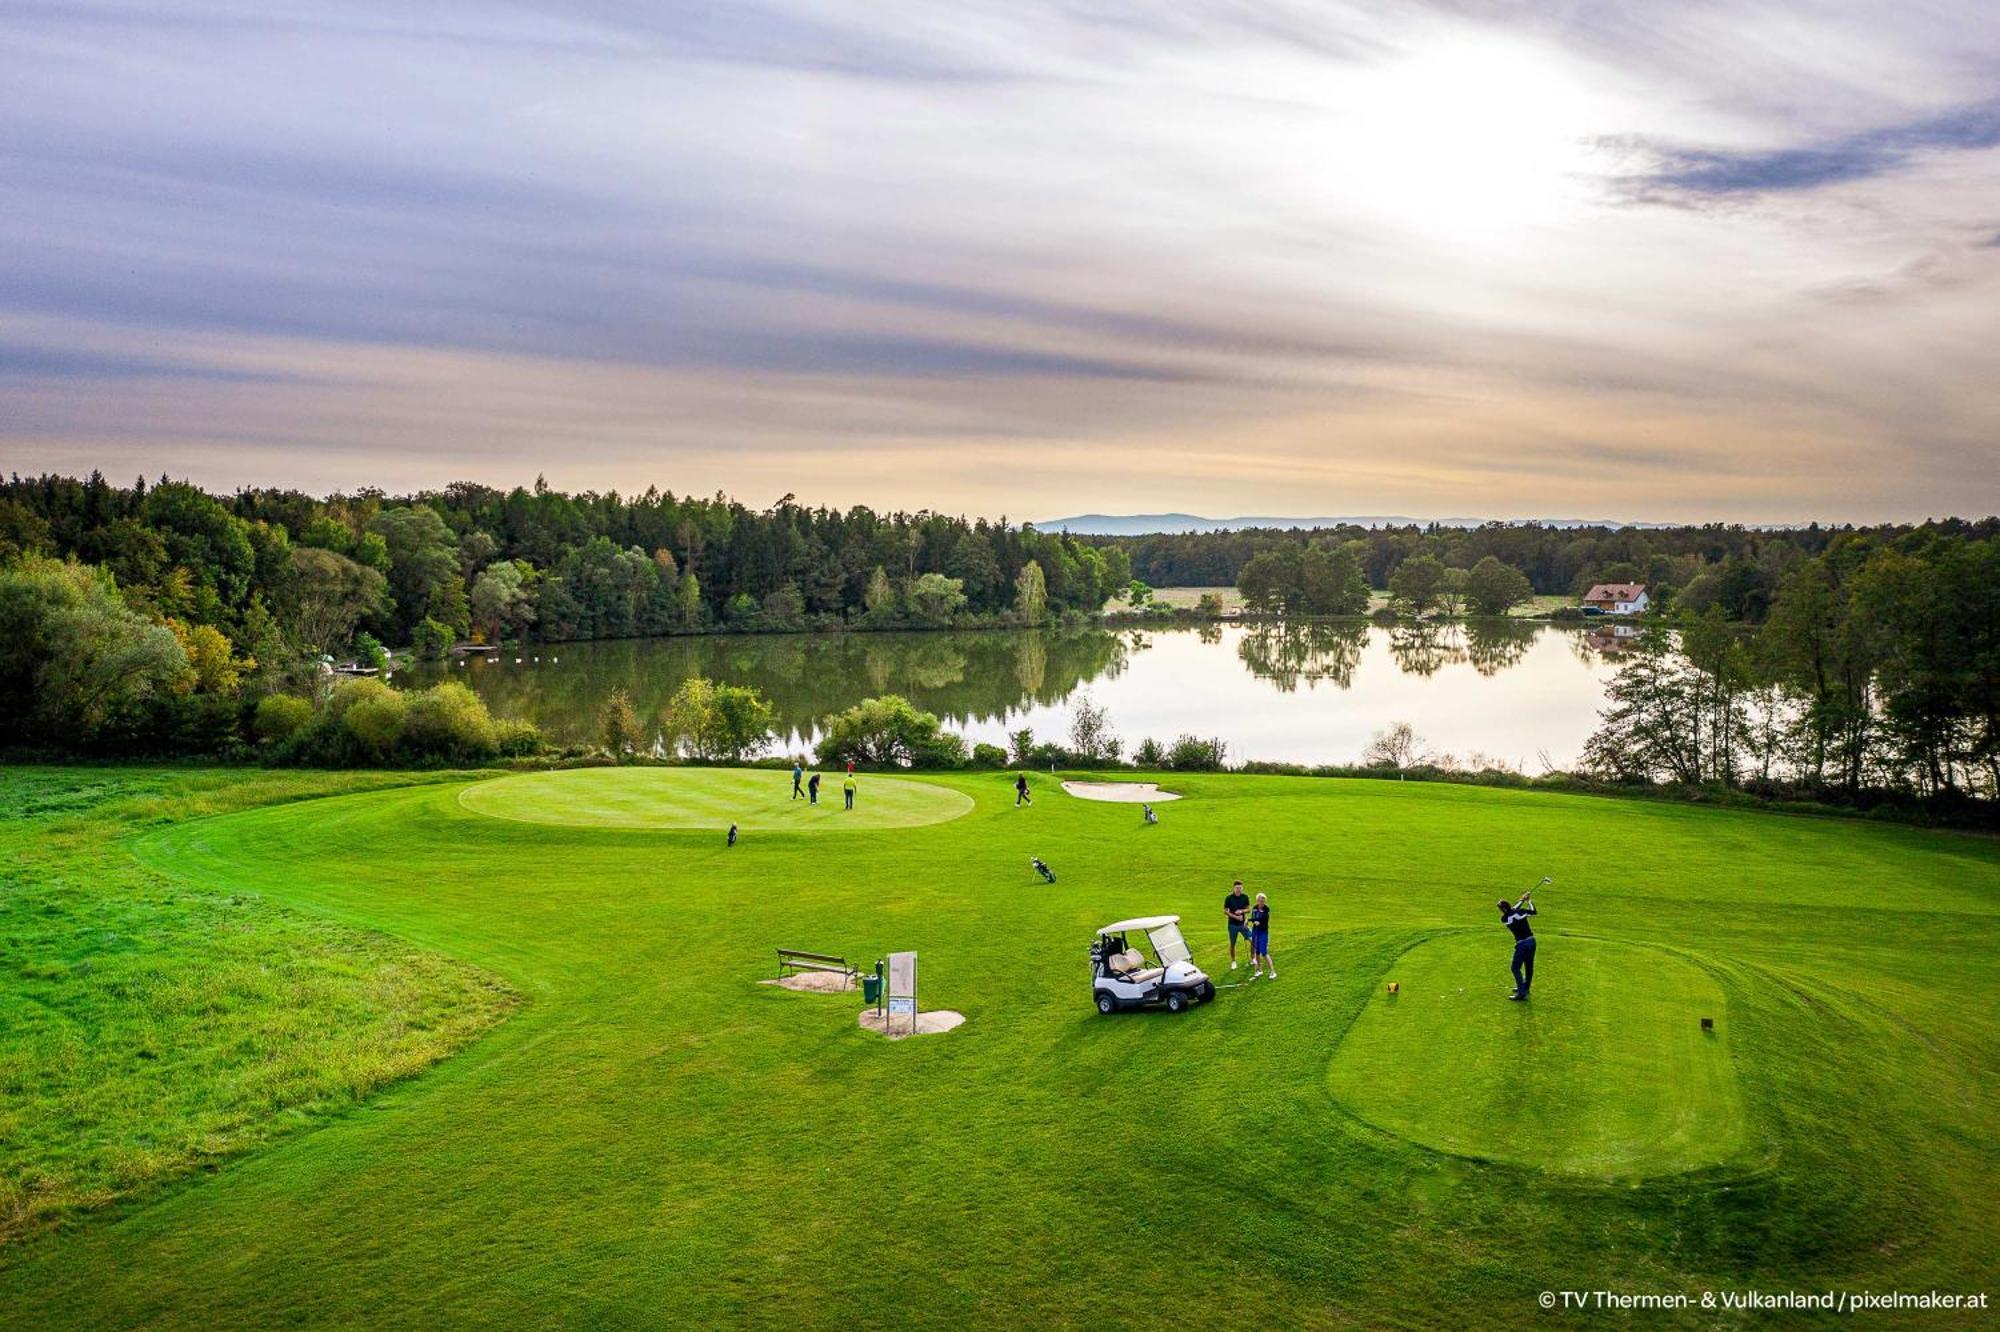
<point x="928" y="1024"/>
<point x="1124" y="793"/>
<point x="813" y="982"/>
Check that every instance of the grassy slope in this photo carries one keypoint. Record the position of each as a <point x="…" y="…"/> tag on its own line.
<point x="654" y="1138"/>
<point x="148" y="1028"/>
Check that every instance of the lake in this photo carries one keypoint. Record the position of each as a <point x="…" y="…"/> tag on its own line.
<point x="1524" y="693"/>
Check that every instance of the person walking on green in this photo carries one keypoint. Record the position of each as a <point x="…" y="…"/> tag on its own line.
<point x="1021" y="791"/>
<point x="798" y="779"/>
<point x="847" y="787"/>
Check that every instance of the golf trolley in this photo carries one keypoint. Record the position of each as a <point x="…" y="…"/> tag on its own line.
<point x="1122" y="976"/>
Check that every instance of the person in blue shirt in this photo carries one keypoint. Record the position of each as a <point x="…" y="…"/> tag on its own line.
<point x="798" y="780"/>
<point x="1514" y="915"/>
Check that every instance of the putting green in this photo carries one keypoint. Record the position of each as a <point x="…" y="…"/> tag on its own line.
<point x="1605" y="1072"/>
<point x="755" y="800"/>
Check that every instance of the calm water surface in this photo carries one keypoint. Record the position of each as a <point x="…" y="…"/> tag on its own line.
<point x="1522" y="693"/>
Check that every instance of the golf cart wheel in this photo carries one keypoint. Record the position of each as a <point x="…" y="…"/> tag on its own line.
<point x="1177" y="1001"/>
<point x="1107" y="1003"/>
<point x="1207" y="991"/>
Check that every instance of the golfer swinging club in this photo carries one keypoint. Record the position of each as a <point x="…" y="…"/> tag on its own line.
<point x="1515" y="917"/>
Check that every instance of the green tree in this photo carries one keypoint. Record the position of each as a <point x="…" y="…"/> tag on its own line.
<point x="618" y="726"/>
<point x="73" y="656"/>
<point x="430" y="640"/>
<point x="423" y="567"/>
<point x="1031" y="594"/>
<point x="690" y="601"/>
<point x="1493" y="588"/>
<point x="1417" y="584"/>
<point x="977" y="569"/>
<point x="879" y="598"/>
<point x="327" y="597"/>
<point x="718" y="723"/>
<point x="1330" y="582"/>
<point x="502" y="600"/>
<point x="1270" y="581"/>
<point x="934" y="599"/>
<point x="1091" y="738"/>
<point x="889" y="731"/>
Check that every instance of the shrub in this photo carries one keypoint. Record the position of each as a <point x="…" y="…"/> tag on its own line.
<point x="279" y="717"/>
<point x="712" y="722"/>
<point x="1049" y="754"/>
<point x="516" y="739"/>
<point x="618" y="725"/>
<point x="368" y="650"/>
<point x="374" y="725"/>
<point x="1148" y="754"/>
<point x="350" y="693"/>
<point x="1192" y="753"/>
<point x="889" y="731"/>
<point x="988" y="756"/>
<point x="447" y="721"/>
<point x="943" y="750"/>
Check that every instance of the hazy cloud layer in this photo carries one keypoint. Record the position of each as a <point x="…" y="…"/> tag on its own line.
<point x="1658" y="261"/>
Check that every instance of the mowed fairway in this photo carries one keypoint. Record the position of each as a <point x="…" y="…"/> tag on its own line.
<point x="652" y="1138"/>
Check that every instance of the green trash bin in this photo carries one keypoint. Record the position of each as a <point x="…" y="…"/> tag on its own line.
<point x="871" y="989"/>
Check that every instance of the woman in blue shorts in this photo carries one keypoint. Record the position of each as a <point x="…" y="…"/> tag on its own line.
<point x="1260" y="938"/>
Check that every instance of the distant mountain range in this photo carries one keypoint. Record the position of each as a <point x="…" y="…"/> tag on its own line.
<point x="1143" y="524"/>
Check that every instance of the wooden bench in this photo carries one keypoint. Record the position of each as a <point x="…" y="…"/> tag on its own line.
<point x="796" y="959"/>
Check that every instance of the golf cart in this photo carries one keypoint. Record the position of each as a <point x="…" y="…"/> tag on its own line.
<point x="1124" y="977"/>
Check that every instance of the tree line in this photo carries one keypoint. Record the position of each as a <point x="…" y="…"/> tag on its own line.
<point x="538" y="562"/>
<point x="185" y="607"/>
<point x="1736" y="570"/>
<point x="1876" y="672"/>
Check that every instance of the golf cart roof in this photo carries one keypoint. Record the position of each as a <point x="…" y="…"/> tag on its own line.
<point x="1140" y="923"/>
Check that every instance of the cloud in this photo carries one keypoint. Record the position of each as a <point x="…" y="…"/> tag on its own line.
<point x="1251" y="251"/>
<point x="1684" y="174"/>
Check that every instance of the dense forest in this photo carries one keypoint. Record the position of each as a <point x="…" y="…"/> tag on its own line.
<point x="472" y="560"/>
<point x="1735" y="569"/>
<point x="162" y="618"/>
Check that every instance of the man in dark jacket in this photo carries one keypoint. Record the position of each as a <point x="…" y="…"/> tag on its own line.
<point x="1514" y="915"/>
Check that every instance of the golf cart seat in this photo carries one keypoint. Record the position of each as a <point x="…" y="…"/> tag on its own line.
<point x="1124" y="964"/>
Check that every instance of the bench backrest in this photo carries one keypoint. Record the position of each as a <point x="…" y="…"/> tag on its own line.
<point x="814" y="957"/>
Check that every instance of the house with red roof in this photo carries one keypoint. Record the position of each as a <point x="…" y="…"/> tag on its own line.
<point x="1617" y="598"/>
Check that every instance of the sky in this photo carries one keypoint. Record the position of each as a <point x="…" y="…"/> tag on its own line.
<point x="1666" y="260"/>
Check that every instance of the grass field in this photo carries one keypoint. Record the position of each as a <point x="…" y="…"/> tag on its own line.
<point x="645" y="1136"/>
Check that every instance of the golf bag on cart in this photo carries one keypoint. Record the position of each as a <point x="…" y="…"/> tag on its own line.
<point x="1048" y="875"/>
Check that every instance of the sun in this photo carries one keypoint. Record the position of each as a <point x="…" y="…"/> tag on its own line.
<point x="1473" y="140"/>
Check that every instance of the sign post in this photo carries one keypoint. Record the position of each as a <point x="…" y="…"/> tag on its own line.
<point x="902" y="991"/>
